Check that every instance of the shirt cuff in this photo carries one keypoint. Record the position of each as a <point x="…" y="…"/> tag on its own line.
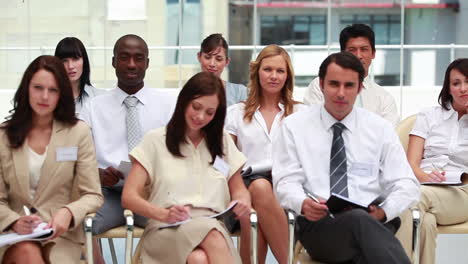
<point x="296" y="203"/>
<point x="390" y="212"/>
<point x="8" y="222"/>
<point x="418" y="133"/>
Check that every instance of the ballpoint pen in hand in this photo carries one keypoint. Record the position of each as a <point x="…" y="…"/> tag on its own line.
<point x="311" y="196"/>
<point x="435" y="168"/>
<point x="26" y="210"/>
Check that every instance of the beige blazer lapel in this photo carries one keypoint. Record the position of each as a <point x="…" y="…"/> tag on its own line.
<point x="20" y="159"/>
<point x="48" y="169"/>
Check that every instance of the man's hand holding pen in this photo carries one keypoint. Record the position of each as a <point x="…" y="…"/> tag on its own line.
<point x="315" y="208"/>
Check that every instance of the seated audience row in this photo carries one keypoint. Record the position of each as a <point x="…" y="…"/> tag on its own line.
<point x="185" y="167"/>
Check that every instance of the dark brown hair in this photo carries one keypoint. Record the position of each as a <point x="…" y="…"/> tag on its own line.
<point x="212" y="42"/>
<point x="445" y="98"/>
<point x="345" y="60"/>
<point x="201" y="84"/>
<point x="19" y="123"/>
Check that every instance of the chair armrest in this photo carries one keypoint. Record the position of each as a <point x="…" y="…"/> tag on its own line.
<point x="291" y="222"/>
<point x="253" y="236"/>
<point x="128" y="212"/>
<point x="88" y="229"/>
<point x="130" y="221"/>
<point x="88" y="223"/>
<point x="416" y="214"/>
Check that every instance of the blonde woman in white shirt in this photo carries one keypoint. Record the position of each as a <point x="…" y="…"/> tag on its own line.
<point x="253" y="124"/>
<point x="438" y="144"/>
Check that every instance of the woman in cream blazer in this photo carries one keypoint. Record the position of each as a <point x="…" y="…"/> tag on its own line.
<point x="47" y="163"/>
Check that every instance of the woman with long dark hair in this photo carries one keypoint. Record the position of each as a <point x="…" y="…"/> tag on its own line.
<point x="48" y="165"/>
<point x="73" y="54"/>
<point x="438" y="146"/>
<point x="191" y="169"/>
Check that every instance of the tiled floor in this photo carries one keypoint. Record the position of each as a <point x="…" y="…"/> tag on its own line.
<point x="451" y="249"/>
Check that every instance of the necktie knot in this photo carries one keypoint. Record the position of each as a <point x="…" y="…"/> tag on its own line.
<point x="338" y="127"/>
<point x="131" y="101"/>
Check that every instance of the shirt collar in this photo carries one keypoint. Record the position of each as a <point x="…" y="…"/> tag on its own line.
<point x="448" y="113"/>
<point x="366" y="83"/>
<point x="141" y="95"/>
<point x="86" y="93"/>
<point x="328" y="120"/>
<point x="87" y="90"/>
<point x="280" y="105"/>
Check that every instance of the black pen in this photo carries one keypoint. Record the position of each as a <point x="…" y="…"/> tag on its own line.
<point x="311" y="196"/>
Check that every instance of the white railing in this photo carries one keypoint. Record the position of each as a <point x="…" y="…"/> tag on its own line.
<point x="291" y="48"/>
<point x="397" y="91"/>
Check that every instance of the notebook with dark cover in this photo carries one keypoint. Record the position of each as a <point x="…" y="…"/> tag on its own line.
<point x="338" y="203"/>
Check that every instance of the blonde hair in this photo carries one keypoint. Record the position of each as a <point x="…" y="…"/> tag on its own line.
<point x="255" y="90"/>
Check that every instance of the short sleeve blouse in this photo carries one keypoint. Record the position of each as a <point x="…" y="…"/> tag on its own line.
<point x="188" y="180"/>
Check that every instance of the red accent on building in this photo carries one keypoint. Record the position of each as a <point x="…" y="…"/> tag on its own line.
<point x="324" y="4"/>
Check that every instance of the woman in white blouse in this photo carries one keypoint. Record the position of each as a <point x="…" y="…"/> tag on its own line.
<point x="73" y="54"/>
<point x="253" y="125"/>
<point x="439" y="144"/>
<point x="214" y="57"/>
<point x="189" y="169"/>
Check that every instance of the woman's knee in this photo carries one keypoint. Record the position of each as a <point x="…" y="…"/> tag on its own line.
<point x="197" y="256"/>
<point x="429" y="222"/>
<point x="261" y="192"/>
<point x="214" y="239"/>
<point x="24" y="252"/>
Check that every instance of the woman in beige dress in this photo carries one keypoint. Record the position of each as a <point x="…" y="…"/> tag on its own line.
<point x="186" y="171"/>
<point x="47" y="164"/>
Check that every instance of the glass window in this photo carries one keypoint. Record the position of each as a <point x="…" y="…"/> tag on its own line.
<point x="299" y="30"/>
<point x="126" y="10"/>
<point x="386" y="27"/>
<point x="33" y="27"/>
<point x="191" y="31"/>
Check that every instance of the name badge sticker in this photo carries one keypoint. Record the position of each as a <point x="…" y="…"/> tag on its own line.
<point x="361" y="169"/>
<point x="67" y="153"/>
<point x="220" y="165"/>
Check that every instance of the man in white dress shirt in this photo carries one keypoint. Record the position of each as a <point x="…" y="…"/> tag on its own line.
<point x="314" y="144"/>
<point x="107" y="115"/>
<point x="359" y="39"/>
